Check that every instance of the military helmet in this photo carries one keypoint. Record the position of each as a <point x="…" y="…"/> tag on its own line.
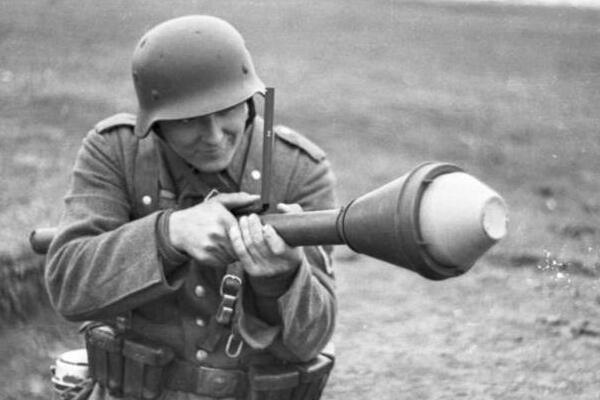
<point x="191" y="66"/>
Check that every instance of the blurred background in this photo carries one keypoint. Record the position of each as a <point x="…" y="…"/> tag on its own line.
<point x="509" y="92"/>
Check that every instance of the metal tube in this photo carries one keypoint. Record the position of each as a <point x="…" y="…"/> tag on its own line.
<point x="307" y="228"/>
<point x="310" y="228"/>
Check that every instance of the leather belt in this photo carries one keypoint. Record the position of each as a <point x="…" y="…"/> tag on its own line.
<point x="212" y="382"/>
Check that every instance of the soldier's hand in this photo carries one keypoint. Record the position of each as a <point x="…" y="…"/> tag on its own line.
<point x="260" y="249"/>
<point x="201" y="231"/>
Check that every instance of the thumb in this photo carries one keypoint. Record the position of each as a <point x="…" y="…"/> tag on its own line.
<point x="235" y="200"/>
<point x="289" y="208"/>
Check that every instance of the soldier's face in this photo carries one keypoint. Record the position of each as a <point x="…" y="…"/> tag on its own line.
<point x="207" y="142"/>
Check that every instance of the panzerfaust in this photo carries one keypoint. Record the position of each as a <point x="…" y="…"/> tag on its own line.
<point x="435" y="220"/>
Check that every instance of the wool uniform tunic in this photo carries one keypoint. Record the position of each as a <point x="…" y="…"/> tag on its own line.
<point x="112" y="258"/>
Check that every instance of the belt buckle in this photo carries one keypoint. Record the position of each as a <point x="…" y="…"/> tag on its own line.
<point x="229" y="290"/>
<point x="216" y="382"/>
<point x="230" y="285"/>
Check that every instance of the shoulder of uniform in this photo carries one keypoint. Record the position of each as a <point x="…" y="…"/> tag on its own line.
<point x="115" y="121"/>
<point x="300" y="141"/>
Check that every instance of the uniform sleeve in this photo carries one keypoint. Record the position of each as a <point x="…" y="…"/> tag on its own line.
<point x="294" y="315"/>
<point x="102" y="264"/>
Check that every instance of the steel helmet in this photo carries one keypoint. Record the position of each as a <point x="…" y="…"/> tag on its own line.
<point x="191" y="66"/>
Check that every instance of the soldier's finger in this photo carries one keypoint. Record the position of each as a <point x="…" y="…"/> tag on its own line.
<point x="236" y="200"/>
<point x="245" y="231"/>
<point x="289" y="208"/>
<point x="276" y="244"/>
<point x="258" y="236"/>
<point x="237" y="243"/>
<point x="252" y="243"/>
<point x="255" y="228"/>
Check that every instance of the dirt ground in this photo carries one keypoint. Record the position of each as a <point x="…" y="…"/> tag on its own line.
<point x="495" y="333"/>
<point x="508" y="93"/>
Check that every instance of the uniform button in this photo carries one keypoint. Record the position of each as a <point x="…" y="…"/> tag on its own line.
<point x="255" y="174"/>
<point x="147" y="200"/>
<point x="199" y="291"/>
<point x="200" y="322"/>
<point x="201" y="355"/>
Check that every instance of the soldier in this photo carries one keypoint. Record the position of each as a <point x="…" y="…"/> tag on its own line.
<point x="189" y="302"/>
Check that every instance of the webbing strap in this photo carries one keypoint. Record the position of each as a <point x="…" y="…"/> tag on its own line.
<point x="231" y="288"/>
<point x="231" y="285"/>
<point x="222" y="322"/>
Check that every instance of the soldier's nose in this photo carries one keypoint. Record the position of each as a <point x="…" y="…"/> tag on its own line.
<point x="211" y="131"/>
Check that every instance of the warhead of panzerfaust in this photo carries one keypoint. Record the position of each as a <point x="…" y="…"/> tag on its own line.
<point x="435" y="220"/>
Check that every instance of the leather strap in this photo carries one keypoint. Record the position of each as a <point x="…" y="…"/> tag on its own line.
<point x="205" y="381"/>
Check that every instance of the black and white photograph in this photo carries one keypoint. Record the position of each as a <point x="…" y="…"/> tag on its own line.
<point x="300" y="200"/>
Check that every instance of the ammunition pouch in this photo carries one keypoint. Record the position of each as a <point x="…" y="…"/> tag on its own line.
<point x="104" y="347"/>
<point x="135" y="367"/>
<point x="124" y="365"/>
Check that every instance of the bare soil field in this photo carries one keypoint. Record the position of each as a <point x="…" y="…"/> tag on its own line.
<point x="508" y="93"/>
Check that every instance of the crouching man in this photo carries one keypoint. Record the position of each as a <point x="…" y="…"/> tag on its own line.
<point x="186" y="301"/>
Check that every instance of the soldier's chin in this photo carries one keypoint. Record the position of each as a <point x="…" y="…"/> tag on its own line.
<point x="217" y="164"/>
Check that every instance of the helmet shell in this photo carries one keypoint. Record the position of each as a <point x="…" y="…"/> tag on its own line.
<point x="191" y="66"/>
